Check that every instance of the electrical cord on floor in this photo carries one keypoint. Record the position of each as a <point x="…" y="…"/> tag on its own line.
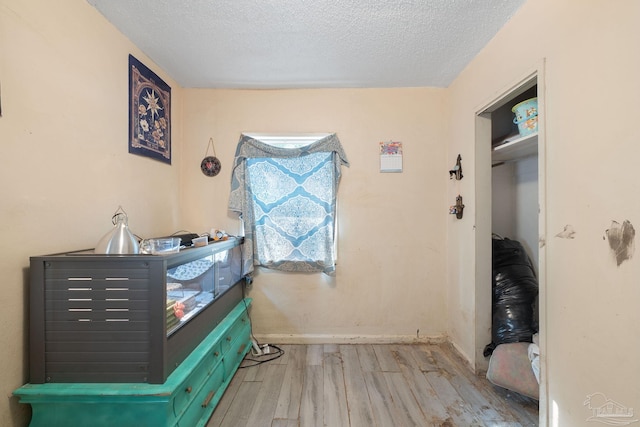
<point x="272" y="355"/>
<point x="246" y="307"/>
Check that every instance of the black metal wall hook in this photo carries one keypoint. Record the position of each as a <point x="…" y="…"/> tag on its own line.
<point x="458" y="208"/>
<point x="457" y="169"/>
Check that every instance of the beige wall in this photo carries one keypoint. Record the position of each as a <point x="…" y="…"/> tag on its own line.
<point x="65" y="169"/>
<point x="64" y="165"/>
<point x="390" y="280"/>
<point x="592" y="63"/>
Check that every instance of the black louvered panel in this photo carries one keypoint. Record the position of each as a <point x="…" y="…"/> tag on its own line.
<point x="97" y="322"/>
<point x="60" y="343"/>
<point x="97" y="305"/>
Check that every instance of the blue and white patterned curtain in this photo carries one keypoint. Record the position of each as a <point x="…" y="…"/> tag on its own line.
<point x="287" y="199"/>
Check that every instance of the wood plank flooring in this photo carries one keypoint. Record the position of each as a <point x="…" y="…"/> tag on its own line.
<point x="362" y="385"/>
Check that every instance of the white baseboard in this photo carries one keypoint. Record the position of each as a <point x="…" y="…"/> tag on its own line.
<point x="348" y="339"/>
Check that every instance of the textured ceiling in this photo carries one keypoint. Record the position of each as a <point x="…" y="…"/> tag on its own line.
<point x="263" y="44"/>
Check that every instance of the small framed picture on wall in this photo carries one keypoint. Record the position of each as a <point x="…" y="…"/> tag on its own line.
<point x="149" y="113"/>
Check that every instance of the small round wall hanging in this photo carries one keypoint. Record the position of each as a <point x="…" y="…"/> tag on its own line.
<point x="210" y="165"/>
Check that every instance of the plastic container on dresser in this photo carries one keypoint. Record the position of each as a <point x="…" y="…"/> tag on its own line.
<point x="127" y="318"/>
<point x="187" y="398"/>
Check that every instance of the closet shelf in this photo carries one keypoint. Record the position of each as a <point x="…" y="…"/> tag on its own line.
<point x="513" y="149"/>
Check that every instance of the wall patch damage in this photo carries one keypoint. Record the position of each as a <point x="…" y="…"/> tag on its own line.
<point x="567" y="233"/>
<point x="621" y="240"/>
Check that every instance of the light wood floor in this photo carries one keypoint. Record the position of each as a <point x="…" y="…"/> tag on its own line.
<point x="366" y="386"/>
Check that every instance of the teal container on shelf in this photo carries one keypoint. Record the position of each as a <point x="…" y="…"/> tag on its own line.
<point x="526" y="116"/>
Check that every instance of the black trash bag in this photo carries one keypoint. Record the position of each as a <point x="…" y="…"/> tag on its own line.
<point x="515" y="288"/>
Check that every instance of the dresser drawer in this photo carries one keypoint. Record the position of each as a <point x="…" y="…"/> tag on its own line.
<point x="205" y="400"/>
<point x="237" y="350"/>
<point x="190" y="387"/>
<point x="234" y="331"/>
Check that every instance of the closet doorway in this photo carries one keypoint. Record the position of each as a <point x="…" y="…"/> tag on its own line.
<point x="510" y="201"/>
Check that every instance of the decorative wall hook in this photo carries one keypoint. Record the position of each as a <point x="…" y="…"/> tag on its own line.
<point x="458" y="208"/>
<point x="457" y="169"/>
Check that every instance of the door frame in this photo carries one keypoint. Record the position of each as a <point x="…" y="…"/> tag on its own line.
<point x="483" y="279"/>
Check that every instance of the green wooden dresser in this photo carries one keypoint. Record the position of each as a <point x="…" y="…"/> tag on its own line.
<point x="186" y="399"/>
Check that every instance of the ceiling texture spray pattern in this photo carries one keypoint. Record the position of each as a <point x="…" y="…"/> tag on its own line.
<point x="274" y="44"/>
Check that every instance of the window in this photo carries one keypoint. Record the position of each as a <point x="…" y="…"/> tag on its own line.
<point x="285" y="190"/>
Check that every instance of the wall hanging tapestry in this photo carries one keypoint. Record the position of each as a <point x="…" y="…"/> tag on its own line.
<point x="149" y="113"/>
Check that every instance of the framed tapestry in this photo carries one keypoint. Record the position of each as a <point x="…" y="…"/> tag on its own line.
<point x="149" y="113"/>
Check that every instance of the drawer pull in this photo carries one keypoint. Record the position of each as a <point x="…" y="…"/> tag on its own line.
<point x="229" y="338"/>
<point x="216" y="354"/>
<point x="241" y="349"/>
<point x="188" y="389"/>
<point x="208" y="399"/>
